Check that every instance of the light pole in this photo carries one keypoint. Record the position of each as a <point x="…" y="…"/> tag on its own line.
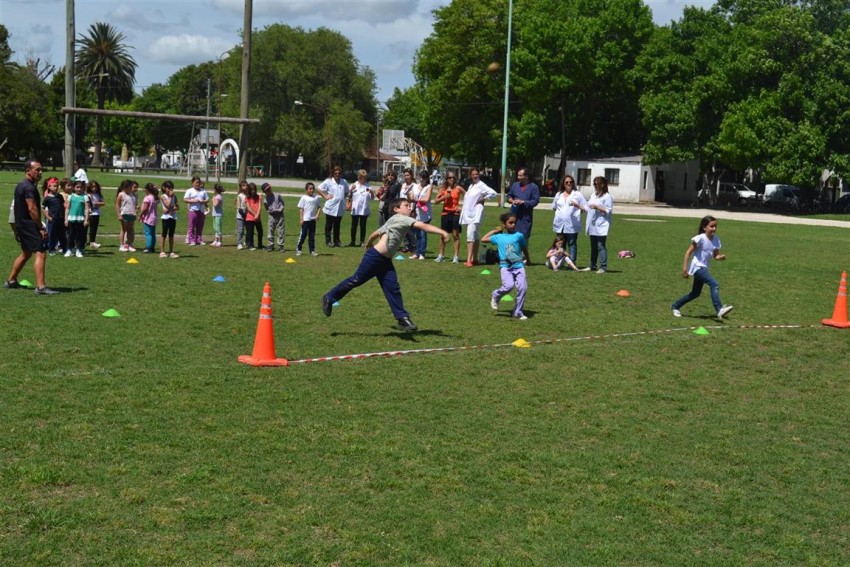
<point x="326" y="128"/>
<point x="507" y="94"/>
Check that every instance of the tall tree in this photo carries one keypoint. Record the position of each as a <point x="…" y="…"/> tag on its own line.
<point x="23" y="100"/>
<point x="103" y="60"/>
<point x="760" y="84"/>
<point x="571" y="64"/>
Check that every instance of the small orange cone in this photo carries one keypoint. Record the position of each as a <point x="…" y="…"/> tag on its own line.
<point x="839" y="314"/>
<point x="264" y="354"/>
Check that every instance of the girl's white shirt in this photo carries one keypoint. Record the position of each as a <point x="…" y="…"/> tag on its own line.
<point x="361" y="194"/>
<point x="704" y="248"/>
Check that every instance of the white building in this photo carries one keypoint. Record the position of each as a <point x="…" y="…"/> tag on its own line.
<point x="632" y="181"/>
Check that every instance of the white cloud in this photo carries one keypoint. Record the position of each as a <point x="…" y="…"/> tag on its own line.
<point x="124" y="16"/>
<point x="334" y="12"/>
<point x="185" y="49"/>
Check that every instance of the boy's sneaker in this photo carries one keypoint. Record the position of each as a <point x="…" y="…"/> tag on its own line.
<point x="314" y="253"/>
<point x="13" y="284"/>
<point x="601" y="271"/>
<point x="724" y="310"/>
<point x="298" y="252"/>
<point x="439" y="259"/>
<point x="45" y="291"/>
<point x="494" y="304"/>
<point x="521" y="317"/>
<point x="677" y="313"/>
<point x="79" y="253"/>
<point x="68" y="253"/>
<point x="405" y="324"/>
<point x="327" y="306"/>
<point x="239" y="247"/>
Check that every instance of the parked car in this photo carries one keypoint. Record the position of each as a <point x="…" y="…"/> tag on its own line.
<point x="736" y="194"/>
<point x="781" y="196"/>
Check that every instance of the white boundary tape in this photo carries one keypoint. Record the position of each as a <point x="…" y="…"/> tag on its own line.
<point x="539" y="342"/>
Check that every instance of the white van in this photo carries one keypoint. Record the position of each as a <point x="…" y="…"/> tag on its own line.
<point x="778" y="195"/>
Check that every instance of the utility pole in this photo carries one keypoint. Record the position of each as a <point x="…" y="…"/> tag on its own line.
<point x="70" y="88"/>
<point x="246" y="90"/>
<point x="207" y="155"/>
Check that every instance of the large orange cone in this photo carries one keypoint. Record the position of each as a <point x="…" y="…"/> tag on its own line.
<point x="264" y="354"/>
<point x="839" y="314"/>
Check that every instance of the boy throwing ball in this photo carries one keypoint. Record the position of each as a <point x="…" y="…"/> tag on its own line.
<point x="377" y="263"/>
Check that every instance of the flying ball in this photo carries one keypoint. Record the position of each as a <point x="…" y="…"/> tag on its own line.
<point x="493" y="67"/>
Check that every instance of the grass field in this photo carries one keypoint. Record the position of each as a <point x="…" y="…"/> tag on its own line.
<point x="140" y="440"/>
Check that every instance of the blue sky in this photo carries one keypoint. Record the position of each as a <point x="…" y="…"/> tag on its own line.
<point x="166" y="36"/>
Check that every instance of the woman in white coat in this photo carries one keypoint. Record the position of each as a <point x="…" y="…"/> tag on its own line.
<point x="568" y="205"/>
<point x="599" y="210"/>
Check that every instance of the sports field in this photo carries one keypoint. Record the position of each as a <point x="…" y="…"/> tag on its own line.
<point x="620" y="437"/>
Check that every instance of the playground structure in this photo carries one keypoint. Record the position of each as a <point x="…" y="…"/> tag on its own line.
<point x="408" y="153"/>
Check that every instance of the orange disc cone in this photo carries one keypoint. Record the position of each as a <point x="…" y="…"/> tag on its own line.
<point x="264" y="354"/>
<point x="839" y="314"/>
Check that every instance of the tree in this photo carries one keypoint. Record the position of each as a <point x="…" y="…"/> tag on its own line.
<point x="759" y="84"/>
<point x="103" y="60"/>
<point x="571" y="71"/>
<point x="23" y="100"/>
<point x="318" y="68"/>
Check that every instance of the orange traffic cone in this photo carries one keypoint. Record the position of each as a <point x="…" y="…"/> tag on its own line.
<point x="839" y="314"/>
<point x="263" y="354"/>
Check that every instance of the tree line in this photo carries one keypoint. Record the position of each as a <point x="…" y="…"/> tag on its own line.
<point x="743" y="84"/>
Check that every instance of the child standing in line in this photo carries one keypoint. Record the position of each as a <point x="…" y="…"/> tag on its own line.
<point x="703" y="247"/>
<point x="77" y="219"/>
<point x="241" y="206"/>
<point x="148" y="217"/>
<point x="217" y="212"/>
<point x="377" y="263"/>
<point x="96" y="201"/>
<point x="54" y="211"/>
<point x="126" y="207"/>
<point x="308" y="213"/>
<point x="169" y="218"/>
<point x="513" y="248"/>
<point x="557" y="256"/>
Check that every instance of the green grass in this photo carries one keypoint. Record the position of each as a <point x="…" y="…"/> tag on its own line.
<point x="142" y="441"/>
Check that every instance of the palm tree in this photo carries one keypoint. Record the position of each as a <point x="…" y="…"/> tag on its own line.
<point x="102" y="59"/>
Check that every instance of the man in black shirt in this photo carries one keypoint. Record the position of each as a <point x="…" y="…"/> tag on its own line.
<point x="31" y="232"/>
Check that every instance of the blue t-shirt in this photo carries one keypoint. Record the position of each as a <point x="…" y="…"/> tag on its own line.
<point x="510" y="248"/>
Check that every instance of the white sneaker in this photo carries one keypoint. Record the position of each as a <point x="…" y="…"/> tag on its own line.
<point x="677" y="313"/>
<point x="68" y="253"/>
<point x="439" y="258"/>
<point x="494" y="303"/>
<point x="314" y="253"/>
<point x="130" y="248"/>
<point x="724" y="310"/>
<point x="163" y="255"/>
<point x="79" y="254"/>
<point x="298" y="252"/>
<point x="239" y="247"/>
<point x="521" y="317"/>
<point x="455" y="260"/>
<point x="600" y="271"/>
<point x="122" y="248"/>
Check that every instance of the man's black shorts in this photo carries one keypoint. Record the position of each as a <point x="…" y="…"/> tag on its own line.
<point x="30" y="237"/>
